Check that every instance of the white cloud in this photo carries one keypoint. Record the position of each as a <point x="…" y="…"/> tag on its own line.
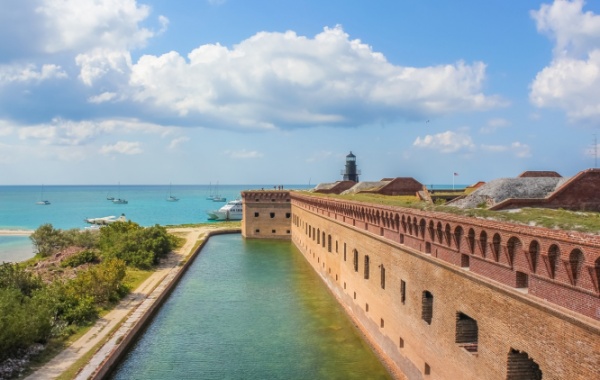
<point x="76" y="133"/>
<point x="284" y="80"/>
<point x="122" y="147"/>
<point x="76" y="25"/>
<point x="521" y="150"/>
<point x="516" y="148"/>
<point x="102" y="98"/>
<point x="446" y="142"/>
<point x="243" y="154"/>
<point x="97" y="63"/>
<point x="29" y="73"/>
<point x="178" y="141"/>
<point x="572" y="80"/>
<point x="494" y="124"/>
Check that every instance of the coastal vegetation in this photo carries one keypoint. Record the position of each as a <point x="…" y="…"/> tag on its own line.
<point x="588" y="222"/>
<point x="75" y="277"/>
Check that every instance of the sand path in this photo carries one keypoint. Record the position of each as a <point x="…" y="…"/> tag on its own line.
<point x="105" y="325"/>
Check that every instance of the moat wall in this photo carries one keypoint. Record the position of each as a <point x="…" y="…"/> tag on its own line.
<point x="434" y="314"/>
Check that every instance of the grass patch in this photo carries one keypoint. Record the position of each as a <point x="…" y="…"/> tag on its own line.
<point x="135" y="277"/>
<point x="588" y="222"/>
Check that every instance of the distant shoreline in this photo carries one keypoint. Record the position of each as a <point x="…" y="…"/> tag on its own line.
<point x="15" y="232"/>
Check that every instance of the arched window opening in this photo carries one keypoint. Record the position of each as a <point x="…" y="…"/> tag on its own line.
<point x="382" y="273"/>
<point x="534" y="254"/>
<point x="431" y="231"/>
<point x="483" y="243"/>
<point x="576" y="259"/>
<point x="513" y="246"/>
<point x="471" y="240"/>
<point x="521" y="367"/>
<point x="416" y="227"/>
<point x="496" y="240"/>
<point x="439" y="232"/>
<point x="448" y="235"/>
<point x="467" y="333"/>
<point x="329" y="243"/>
<point x="366" y="267"/>
<point x="597" y="273"/>
<point x="553" y="255"/>
<point x="403" y="224"/>
<point x="458" y="233"/>
<point x="410" y="229"/>
<point x="319" y="236"/>
<point x="323" y="240"/>
<point x="427" y="307"/>
<point x="422" y="227"/>
<point x="355" y="260"/>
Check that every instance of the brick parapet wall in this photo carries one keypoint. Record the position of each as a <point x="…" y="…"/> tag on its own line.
<point x="521" y="256"/>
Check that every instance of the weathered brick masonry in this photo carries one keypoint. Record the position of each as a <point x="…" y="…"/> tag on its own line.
<point x="449" y="297"/>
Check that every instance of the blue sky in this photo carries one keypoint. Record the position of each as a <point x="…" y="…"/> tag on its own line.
<point x="278" y="92"/>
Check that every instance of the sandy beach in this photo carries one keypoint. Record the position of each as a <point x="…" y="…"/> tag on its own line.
<point x="16" y="232"/>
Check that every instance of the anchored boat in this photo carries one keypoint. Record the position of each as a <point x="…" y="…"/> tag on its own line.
<point x="231" y="211"/>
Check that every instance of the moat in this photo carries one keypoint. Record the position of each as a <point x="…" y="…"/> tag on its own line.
<point x="254" y="310"/>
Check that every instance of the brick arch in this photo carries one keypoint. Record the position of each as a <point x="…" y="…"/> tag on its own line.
<point x="576" y="261"/>
<point x="553" y="257"/>
<point x="471" y="240"/>
<point x="397" y="222"/>
<point x="513" y="248"/>
<point x="431" y="230"/>
<point x="496" y="246"/>
<point x="403" y="224"/>
<point x="416" y="226"/>
<point x="448" y="234"/>
<point x="596" y="274"/>
<point x="422" y="227"/>
<point x="483" y="241"/>
<point x="458" y="233"/>
<point x="439" y="232"/>
<point x="533" y="255"/>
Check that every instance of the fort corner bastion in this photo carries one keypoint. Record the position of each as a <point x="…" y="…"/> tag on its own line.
<point x="443" y="296"/>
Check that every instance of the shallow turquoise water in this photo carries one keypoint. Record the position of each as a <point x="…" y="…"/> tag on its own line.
<point x="70" y="205"/>
<point x="250" y="310"/>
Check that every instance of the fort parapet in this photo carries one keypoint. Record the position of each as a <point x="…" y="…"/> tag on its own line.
<point x="451" y="297"/>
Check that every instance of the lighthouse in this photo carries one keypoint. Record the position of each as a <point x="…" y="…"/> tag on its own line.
<point x="351" y="173"/>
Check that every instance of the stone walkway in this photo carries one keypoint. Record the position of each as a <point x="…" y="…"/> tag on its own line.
<point x="129" y="310"/>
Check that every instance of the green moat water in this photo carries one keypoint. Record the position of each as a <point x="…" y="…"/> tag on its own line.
<point x="250" y="309"/>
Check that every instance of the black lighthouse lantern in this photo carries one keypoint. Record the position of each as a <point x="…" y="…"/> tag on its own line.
<point x="351" y="173"/>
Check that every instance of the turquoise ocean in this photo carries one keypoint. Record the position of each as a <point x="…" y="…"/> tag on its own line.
<point x="70" y="205"/>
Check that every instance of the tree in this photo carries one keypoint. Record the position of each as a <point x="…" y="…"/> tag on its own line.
<point x="48" y="240"/>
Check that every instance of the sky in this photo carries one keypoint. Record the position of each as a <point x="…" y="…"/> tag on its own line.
<point x="279" y="92"/>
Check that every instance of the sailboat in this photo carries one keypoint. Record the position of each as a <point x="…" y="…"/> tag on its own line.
<point x="210" y="192"/>
<point x="42" y="201"/>
<point x="217" y="197"/>
<point x="119" y="200"/>
<point x="171" y="198"/>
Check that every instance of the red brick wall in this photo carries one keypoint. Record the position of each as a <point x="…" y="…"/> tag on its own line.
<point x="501" y="266"/>
<point x="564" y="344"/>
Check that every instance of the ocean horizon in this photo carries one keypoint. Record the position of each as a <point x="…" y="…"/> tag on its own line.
<point x="70" y="205"/>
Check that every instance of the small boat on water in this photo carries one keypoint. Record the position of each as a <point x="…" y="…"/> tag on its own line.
<point x="42" y="201"/>
<point x="118" y="200"/>
<point x="106" y="220"/>
<point x="231" y="211"/>
<point x="171" y="198"/>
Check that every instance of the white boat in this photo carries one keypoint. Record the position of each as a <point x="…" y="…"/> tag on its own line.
<point x="171" y="198"/>
<point x="42" y="201"/>
<point x="231" y="211"/>
<point x="118" y="200"/>
<point x="106" y="220"/>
